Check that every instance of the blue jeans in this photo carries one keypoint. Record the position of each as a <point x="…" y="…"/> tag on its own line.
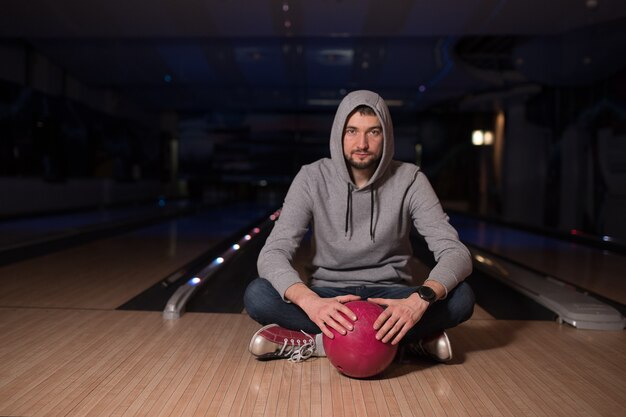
<point x="265" y="305"/>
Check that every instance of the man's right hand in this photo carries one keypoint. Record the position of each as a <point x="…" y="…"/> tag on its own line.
<point x="326" y="313"/>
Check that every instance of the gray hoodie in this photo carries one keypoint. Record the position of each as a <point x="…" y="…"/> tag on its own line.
<point x="361" y="236"/>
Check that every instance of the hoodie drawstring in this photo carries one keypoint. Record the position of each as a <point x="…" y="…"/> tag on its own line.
<point x="372" y="213"/>
<point x="349" y="210"/>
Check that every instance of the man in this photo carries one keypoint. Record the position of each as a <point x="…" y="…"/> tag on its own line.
<point x="361" y="205"/>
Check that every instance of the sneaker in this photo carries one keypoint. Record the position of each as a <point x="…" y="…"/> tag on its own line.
<point x="275" y="342"/>
<point x="436" y="347"/>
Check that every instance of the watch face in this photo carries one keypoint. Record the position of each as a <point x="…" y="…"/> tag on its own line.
<point x="426" y="293"/>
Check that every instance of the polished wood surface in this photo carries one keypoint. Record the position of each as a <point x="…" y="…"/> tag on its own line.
<point x="65" y="351"/>
<point x="102" y="274"/>
<point x="123" y="363"/>
<point x="589" y="268"/>
<point x="600" y="272"/>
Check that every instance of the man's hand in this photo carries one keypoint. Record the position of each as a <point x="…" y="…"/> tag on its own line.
<point x="326" y="313"/>
<point x="398" y="318"/>
<point x="330" y="312"/>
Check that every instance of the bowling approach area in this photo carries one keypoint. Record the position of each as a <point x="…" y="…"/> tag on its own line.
<point x="85" y="330"/>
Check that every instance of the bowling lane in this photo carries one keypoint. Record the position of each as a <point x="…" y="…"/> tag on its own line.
<point x="29" y="230"/>
<point x="106" y="273"/>
<point x="592" y="269"/>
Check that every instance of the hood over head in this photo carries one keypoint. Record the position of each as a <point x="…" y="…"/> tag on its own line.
<point x="347" y="105"/>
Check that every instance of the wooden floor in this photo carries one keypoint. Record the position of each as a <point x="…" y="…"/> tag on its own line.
<point x="63" y="362"/>
<point x="66" y="351"/>
<point x="101" y="274"/>
<point x="589" y="268"/>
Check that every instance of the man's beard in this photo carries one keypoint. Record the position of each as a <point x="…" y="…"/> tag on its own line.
<point x="368" y="163"/>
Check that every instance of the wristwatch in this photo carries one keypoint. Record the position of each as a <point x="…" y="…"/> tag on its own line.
<point x="426" y="294"/>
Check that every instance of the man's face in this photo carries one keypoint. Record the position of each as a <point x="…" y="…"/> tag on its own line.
<point x="363" y="141"/>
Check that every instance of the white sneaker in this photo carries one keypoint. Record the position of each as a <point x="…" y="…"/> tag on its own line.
<point x="275" y="342"/>
<point x="436" y="347"/>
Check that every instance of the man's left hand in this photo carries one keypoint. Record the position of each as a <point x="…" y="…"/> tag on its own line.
<point x="398" y="318"/>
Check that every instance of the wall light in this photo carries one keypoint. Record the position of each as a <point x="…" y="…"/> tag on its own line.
<point x="478" y="138"/>
<point x="482" y="137"/>
<point x="488" y="137"/>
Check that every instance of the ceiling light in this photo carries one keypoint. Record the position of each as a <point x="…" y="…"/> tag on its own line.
<point x="335" y="56"/>
<point x="335" y="102"/>
<point x="322" y="102"/>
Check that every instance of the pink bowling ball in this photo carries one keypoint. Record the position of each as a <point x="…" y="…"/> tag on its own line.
<point x="358" y="354"/>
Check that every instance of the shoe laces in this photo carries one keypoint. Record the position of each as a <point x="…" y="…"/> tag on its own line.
<point x="417" y="349"/>
<point x="297" y="350"/>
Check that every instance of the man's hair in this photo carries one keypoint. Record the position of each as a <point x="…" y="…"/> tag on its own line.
<point x="363" y="110"/>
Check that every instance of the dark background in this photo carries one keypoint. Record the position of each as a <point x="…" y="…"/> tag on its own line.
<point x="109" y="103"/>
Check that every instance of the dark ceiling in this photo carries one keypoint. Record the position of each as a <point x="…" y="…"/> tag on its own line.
<point x="292" y="55"/>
